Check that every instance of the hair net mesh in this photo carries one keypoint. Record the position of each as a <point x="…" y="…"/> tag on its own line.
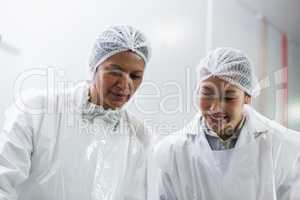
<point x="230" y="65"/>
<point x="117" y="39"/>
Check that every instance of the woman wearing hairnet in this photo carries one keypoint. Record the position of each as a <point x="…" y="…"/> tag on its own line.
<point x="87" y="146"/>
<point x="229" y="151"/>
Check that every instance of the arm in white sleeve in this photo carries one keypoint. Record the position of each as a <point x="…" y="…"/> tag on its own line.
<point x="15" y="152"/>
<point x="290" y="188"/>
<point x="166" y="188"/>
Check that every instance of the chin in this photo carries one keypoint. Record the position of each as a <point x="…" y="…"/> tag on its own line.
<point x="117" y="105"/>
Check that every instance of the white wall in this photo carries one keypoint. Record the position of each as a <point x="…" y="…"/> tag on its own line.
<point x="294" y="87"/>
<point x="61" y="34"/>
<point x="234" y="24"/>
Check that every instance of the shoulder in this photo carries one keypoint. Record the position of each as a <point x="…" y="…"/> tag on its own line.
<point x="286" y="144"/>
<point x="286" y="154"/>
<point x="43" y="101"/>
<point x="25" y="110"/>
<point x="34" y="104"/>
<point x="29" y="102"/>
<point x="177" y="144"/>
<point x="287" y="137"/>
<point x="285" y="147"/>
<point x="281" y="136"/>
<point x="169" y="148"/>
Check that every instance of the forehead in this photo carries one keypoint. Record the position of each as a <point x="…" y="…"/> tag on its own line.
<point x="127" y="61"/>
<point x="215" y="83"/>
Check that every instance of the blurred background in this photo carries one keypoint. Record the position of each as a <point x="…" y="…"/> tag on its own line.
<point x="46" y="43"/>
<point x="53" y="38"/>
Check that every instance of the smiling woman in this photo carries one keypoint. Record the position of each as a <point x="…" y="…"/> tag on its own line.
<point x="229" y="151"/>
<point x="102" y="154"/>
<point x="117" y="79"/>
<point x="222" y="105"/>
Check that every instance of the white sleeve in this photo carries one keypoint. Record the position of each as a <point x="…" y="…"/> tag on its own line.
<point x="168" y="180"/>
<point x="290" y="188"/>
<point x="15" y="152"/>
<point x="166" y="190"/>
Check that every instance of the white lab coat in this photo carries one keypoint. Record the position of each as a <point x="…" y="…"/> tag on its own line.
<point x="264" y="164"/>
<point x="61" y="154"/>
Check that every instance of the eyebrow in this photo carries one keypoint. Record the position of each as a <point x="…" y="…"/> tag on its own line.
<point x="118" y="67"/>
<point x="207" y="88"/>
<point x="230" y="92"/>
<point x="115" y="66"/>
<point x="227" y="92"/>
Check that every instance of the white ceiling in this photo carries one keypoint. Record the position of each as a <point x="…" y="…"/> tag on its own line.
<point x="283" y="14"/>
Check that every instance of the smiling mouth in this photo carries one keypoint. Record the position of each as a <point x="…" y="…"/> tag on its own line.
<point x="219" y="118"/>
<point x="120" y="97"/>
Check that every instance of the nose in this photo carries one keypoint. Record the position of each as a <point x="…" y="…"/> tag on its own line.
<point x="125" y="83"/>
<point x="216" y="105"/>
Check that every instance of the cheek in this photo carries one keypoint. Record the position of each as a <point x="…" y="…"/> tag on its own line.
<point x="204" y="104"/>
<point x="136" y="84"/>
<point x="234" y="109"/>
<point x="106" y="82"/>
<point x="230" y="106"/>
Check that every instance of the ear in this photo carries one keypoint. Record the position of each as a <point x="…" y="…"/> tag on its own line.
<point x="247" y="99"/>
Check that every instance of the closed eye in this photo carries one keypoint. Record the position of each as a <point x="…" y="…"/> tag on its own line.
<point x="230" y="98"/>
<point x="115" y="72"/>
<point x="136" y="77"/>
<point x="208" y="95"/>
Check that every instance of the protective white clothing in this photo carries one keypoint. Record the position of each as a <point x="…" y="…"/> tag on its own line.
<point x="72" y="150"/>
<point x="117" y="39"/>
<point x="232" y="66"/>
<point x="264" y="164"/>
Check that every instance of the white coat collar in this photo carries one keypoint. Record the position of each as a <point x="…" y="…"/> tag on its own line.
<point x="89" y="111"/>
<point x="254" y="127"/>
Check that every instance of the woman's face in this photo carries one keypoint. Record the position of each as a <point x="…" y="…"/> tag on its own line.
<point x="117" y="79"/>
<point x="221" y="104"/>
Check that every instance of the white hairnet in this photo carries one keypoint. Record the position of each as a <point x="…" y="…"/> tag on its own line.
<point x="230" y="65"/>
<point x="118" y="39"/>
